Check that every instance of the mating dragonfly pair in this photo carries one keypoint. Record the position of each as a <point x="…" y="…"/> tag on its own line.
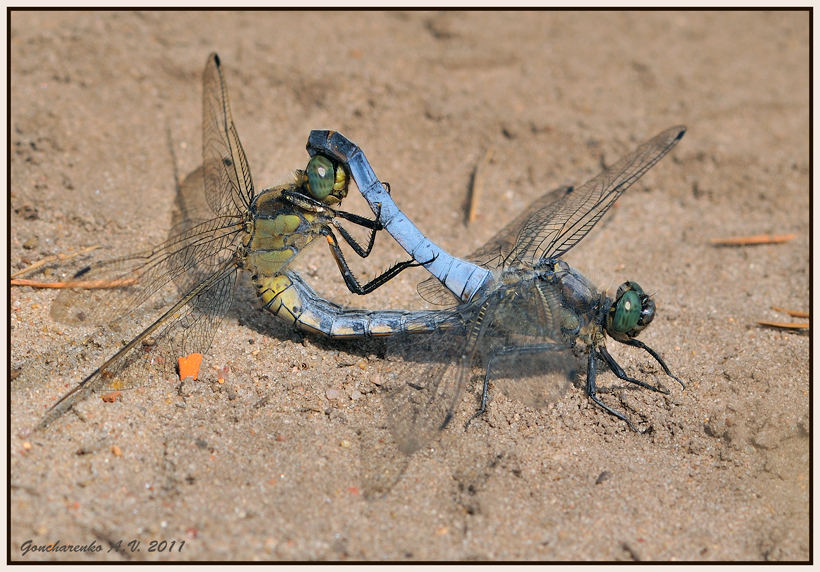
<point x="520" y="310"/>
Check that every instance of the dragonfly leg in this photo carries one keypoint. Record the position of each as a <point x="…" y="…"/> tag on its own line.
<point x="505" y="351"/>
<point x="639" y="344"/>
<point x="619" y="372"/>
<point x="373" y="225"/>
<point x="312" y="205"/>
<point x="484" y="393"/>
<point x="350" y="280"/>
<point x="593" y="394"/>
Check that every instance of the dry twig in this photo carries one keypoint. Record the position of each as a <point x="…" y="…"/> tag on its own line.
<point x="752" y="240"/>
<point x="47" y="259"/>
<point x="478" y="184"/>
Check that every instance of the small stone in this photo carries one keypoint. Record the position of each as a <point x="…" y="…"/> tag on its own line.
<point x="28" y="212"/>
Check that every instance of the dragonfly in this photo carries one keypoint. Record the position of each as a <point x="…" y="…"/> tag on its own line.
<point x="523" y="313"/>
<point x="226" y="226"/>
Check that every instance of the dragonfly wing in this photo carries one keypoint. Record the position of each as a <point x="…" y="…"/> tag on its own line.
<point x="434" y="292"/>
<point x="515" y="330"/>
<point x="535" y="378"/>
<point x="425" y="379"/>
<point x="188" y="327"/>
<point x="495" y="251"/>
<point x="227" y="176"/>
<point x="418" y="410"/>
<point x="557" y="227"/>
<point x="499" y="247"/>
<point x="559" y="219"/>
<point x="110" y="289"/>
<point x="524" y="349"/>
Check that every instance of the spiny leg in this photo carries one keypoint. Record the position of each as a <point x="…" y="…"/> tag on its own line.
<point x="509" y="350"/>
<point x="619" y="372"/>
<point x="639" y="344"/>
<point x="373" y="224"/>
<point x="593" y="395"/>
<point x="350" y="280"/>
<point x="312" y="205"/>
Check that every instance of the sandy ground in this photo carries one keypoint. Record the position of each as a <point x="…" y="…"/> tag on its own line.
<point x="105" y="112"/>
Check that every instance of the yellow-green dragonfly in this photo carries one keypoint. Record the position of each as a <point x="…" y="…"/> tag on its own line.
<point x="257" y="232"/>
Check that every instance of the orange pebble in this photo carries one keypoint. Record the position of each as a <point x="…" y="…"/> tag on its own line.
<point x="111" y="397"/>
<point x="189" y="366"/>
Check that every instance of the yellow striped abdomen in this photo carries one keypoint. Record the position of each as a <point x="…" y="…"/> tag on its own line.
<point x="289" y="298"/>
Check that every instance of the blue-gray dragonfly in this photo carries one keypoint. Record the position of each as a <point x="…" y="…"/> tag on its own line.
<point x="523" y="311"/>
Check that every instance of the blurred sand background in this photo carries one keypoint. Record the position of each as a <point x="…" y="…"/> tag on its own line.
<point x="106" y="112"/>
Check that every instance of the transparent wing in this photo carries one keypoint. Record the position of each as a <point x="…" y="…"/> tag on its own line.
<point x="192" y="210"/>
<point x="499" y="247"/>
<point x="558" y="226"/>
<point x="107" y="290"/>
<point x="425" y="379"/>
<point x="188" y="327"/>
<point x="202" y="246"/>
<point x="227" y="176"/>
<point x="525" y="351"/>
<point x="434" y="292"/>
<point x="200" y="260"/>
<point x="515" y="334"/>
<point x="494" y="252"/>
<point x="561" y="218"/>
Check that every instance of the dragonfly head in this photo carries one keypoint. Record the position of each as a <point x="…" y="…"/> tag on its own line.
<point x="630" y="313"/>
<point x="327" y="181"/>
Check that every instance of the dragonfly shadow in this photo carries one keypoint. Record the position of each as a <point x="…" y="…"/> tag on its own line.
<point x="382" y="464"/>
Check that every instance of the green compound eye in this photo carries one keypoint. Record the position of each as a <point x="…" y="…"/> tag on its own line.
<point x="320" y="177"/>
<point x="627" y="312"/>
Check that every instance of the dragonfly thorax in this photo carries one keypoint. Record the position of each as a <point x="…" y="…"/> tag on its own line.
<point x="277" y="229"/>
<point x="577" y="292"/>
